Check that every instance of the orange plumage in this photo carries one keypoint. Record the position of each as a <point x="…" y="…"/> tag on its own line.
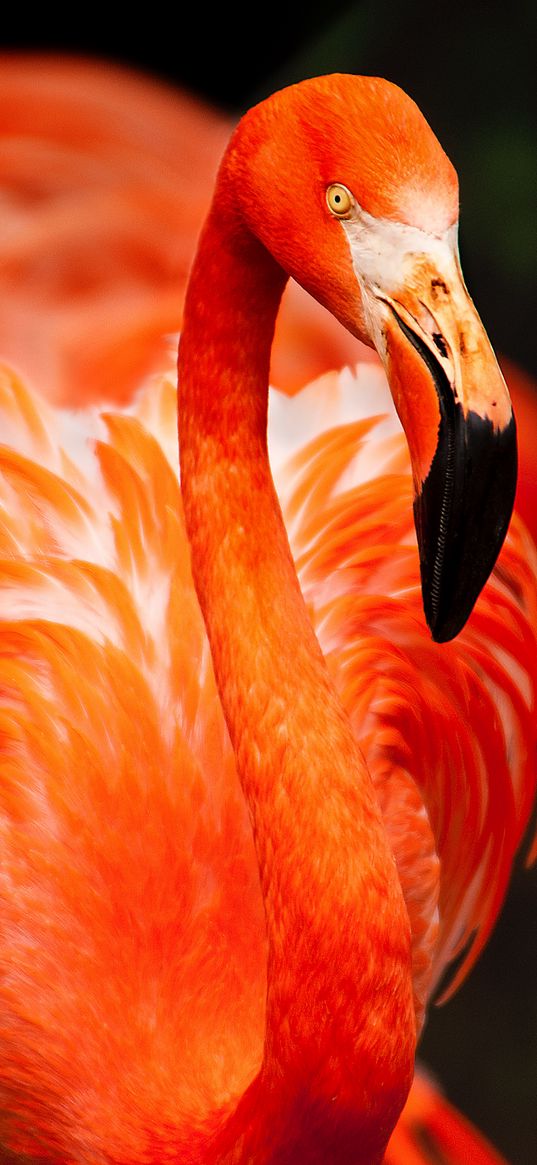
<point x="134" y="928"/>
<point x="133" y="934"/>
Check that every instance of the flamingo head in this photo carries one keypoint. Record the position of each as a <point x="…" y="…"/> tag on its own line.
<point x="344" y="182"/>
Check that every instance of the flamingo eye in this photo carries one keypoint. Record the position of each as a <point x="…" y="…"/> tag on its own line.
<point x="340" y="201"/>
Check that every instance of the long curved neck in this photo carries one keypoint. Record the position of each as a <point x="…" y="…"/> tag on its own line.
<point x="339" y="1027"/>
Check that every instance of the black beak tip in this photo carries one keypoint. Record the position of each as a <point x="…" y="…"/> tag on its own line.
<point x="446" y="627"/>
<point x="462" y="515"/>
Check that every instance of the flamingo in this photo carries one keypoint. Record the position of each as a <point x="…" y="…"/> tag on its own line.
<point x="125" y="946"/>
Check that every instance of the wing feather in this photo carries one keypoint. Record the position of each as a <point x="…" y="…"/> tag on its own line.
<point x="456" y="722"/>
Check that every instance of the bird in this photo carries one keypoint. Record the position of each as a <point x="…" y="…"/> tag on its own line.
<point x="117" y="153"/>
<point x="147" y="913"/>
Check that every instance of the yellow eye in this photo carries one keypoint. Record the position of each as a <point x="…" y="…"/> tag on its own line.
<point x="340" y="200"/>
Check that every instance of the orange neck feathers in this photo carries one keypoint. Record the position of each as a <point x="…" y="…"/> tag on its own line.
<point x="340" y="1031"/>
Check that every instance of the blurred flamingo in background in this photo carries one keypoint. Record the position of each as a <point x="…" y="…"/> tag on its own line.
<point x="106" y="178"/>
<point x="378" y="651"/>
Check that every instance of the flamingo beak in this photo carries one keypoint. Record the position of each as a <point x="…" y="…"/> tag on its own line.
<point x="456" y="412"/>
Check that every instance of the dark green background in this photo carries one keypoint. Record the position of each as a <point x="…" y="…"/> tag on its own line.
<point x="471" y="70"/>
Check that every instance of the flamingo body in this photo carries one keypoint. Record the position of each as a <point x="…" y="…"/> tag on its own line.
<point x="134" y="955"/>
<point x="229" y="894"/>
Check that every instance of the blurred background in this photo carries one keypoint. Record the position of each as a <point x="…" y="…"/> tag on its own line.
<point x="471" y="70"/>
